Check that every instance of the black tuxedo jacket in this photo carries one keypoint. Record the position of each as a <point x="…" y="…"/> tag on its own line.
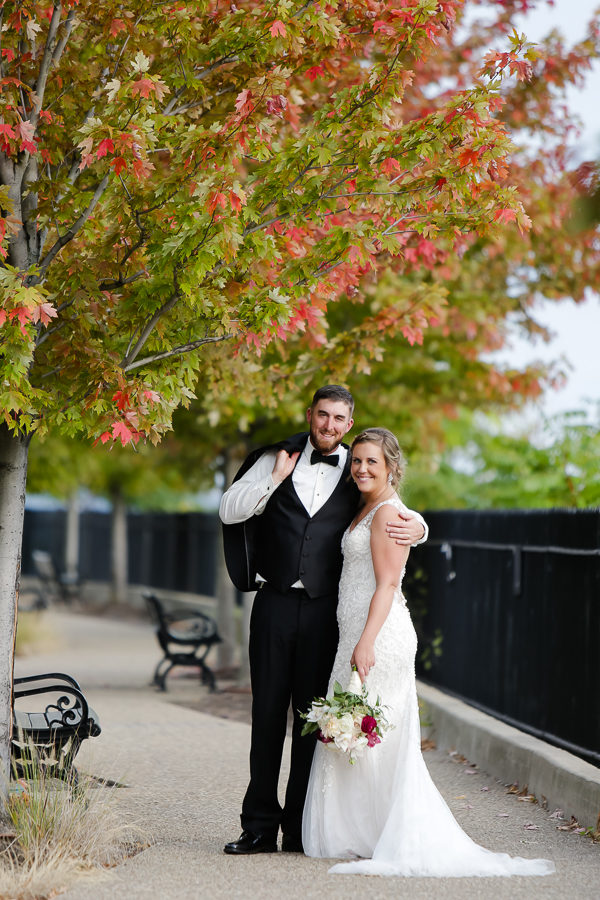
<point x="239" y="540"/>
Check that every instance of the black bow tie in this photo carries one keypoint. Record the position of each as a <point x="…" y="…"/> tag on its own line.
<point x="317" y="457"/>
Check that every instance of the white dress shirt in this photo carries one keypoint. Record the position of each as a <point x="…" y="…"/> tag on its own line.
<point x="249" y="495"/>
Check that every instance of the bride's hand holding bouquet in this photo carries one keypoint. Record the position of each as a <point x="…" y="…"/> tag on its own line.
<point x="346" y="721"/>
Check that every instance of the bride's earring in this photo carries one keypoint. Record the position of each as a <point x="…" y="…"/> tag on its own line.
<point x="389" y="479"/>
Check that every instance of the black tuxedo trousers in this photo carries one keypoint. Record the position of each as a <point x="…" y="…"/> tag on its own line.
<point x="293" y="641"/>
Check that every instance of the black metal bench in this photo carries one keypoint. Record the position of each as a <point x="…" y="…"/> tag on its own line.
<point x="177" y="629"/>
<point x="50" y="739"/>
<point x="52" y="586"/>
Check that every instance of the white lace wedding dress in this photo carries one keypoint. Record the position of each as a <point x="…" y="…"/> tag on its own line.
<point x="384" y="812"/>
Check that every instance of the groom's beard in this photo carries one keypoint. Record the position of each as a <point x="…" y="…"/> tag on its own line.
<point x="325" y="443"/>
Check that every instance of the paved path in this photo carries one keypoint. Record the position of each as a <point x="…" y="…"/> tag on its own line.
<point x="187" y="772"/>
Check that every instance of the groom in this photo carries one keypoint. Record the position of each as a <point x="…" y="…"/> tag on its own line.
<point x="284" y="517"/>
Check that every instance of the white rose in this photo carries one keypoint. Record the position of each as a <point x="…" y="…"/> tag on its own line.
<point x="330" y="726"/>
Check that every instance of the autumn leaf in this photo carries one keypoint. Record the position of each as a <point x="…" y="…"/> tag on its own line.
<point x="43" y="313"/>
<point x="105" y="146"/>
<point x="143" y="87"/>
<point x="277" y="27"/>
<point x="118" y="164"/>
<point x="314" y="72"/>
<point x="26" y="130"/>
<point x="217" y="199"/>
<point x="243" y="103"/>
<point x="121" y="432"/>
<point x="390" y="166"/>
<point x="505" y="215"/>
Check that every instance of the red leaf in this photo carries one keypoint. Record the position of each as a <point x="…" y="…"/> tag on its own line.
<point x="276" y="105"/>
<point x="43" y="313"/>
<point x="22" y="313"/>
<point x="143" y="87"/>
<point x="118" y="164"/>
<point x="121" y="431"/>
<point x="242" y="102"/>
<point x="105" y="437"/>
<point x="217" y="199"/>
<point x="116" y="26"/>
<point x="8" y="54"/>
<point x="384" y="28"/>
<point x="152" y="396"/>
<point x="505" y="215"/>
<point x="314" y="72"/>
<point x="104" y="147"/>
<point x="468" y="157"/>
<point x="2" y="317"/>
<point x="277" y="27"/>
<point x="7" y="129"/>
<point x="122" y="399"/>
<point x="391" y="166"/>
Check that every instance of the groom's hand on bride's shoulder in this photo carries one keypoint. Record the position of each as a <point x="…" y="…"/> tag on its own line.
<point x="405" y="530"/>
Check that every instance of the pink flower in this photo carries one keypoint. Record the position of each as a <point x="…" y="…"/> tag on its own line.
<point x="368" y="725"/>
<point x="373" y="739"/>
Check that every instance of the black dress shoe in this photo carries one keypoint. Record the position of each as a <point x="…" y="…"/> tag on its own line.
<point x="290" y="843"/>
<point x="252" y="843"/>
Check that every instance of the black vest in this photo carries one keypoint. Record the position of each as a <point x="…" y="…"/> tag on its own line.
<point x="284" y="544"/>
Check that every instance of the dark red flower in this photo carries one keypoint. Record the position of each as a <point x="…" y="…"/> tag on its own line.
<point x="368" y="724"/>
<point x="325" y="740"/>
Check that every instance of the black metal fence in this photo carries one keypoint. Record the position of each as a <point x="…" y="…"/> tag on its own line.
<point x="176" y="551"/>
<point x="515" y="596"/>
<point x="512" y="599"/>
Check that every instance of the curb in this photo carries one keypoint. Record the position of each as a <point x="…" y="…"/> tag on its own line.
<point x="553" y="775"/>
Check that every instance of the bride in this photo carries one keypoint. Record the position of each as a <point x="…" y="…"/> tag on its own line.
<point x="384" y="812"/>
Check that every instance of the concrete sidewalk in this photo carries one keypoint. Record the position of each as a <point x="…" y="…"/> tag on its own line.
<point x="186" y="774"/>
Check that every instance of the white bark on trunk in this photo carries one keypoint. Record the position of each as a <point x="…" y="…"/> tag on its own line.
<point x="13" y="472"/>
<point x="72" y="540"/>
<point x="120" y="575"/>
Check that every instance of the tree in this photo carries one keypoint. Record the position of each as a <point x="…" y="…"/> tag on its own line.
<point x="179" y="175"/>
<point x="415" y="374"/>
<point x="484" y="468"/>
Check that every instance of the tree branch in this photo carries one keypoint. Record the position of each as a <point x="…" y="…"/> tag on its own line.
<point x="177" y="351"/>
<point x="127" y="362"/>
<point x="68" y="236"/>
<point x="46" y="63"/>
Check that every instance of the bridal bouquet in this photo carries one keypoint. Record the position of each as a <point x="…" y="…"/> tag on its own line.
<point x="346" y="721"/>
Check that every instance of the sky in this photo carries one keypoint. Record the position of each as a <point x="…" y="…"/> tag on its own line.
<point x="576" y="327"/>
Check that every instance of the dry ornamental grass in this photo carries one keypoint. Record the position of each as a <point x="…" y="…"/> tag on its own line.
<point x="53" y="834"/>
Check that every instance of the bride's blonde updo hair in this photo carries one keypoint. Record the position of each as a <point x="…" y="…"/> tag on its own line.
<point x="392" y="454"/>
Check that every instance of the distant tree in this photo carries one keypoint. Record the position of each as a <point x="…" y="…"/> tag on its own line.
<point x="483" y="467"/>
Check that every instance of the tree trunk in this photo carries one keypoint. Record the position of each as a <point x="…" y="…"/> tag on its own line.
<point x="225" y="590"/>
<point x="13" y="472"/>
<point x="120" y="575"/>
<point x="72" y="540"/>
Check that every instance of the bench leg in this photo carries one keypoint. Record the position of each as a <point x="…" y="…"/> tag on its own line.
<point x="160" y="677"/>
<point x="207" y="676"/>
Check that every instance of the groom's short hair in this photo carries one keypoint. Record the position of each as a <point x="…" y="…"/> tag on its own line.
<point x="333" y="392"/>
